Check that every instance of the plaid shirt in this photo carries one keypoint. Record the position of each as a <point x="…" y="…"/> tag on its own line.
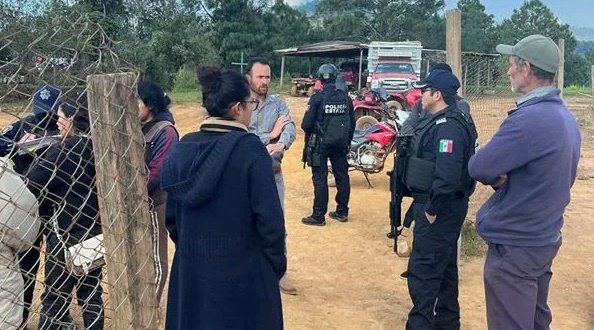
<point x="264" y="118"/>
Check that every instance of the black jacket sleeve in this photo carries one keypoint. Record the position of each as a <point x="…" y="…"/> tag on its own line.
<point x="44" y="174"/>
<point x="452" y="144"/>
<point x="409" y="125"/>
<point x="308" y="124"/>
<point x="55" y="169"/>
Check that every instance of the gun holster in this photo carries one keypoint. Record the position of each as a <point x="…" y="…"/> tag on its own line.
<point x="313" y="152"/>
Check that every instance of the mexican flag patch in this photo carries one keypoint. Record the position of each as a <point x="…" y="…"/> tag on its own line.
<point x="446" y="146"/>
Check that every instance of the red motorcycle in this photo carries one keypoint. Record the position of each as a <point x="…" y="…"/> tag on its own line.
<point x="370" y="148"/>
<point x="371" y="106"/>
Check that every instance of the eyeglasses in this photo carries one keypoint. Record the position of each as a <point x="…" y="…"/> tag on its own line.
<point x="253" y="102"/>
<point x="429" y="89"/>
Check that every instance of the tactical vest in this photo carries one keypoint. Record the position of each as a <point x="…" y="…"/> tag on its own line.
<point x="336" y="123"/>
<point x="421" y="172"/>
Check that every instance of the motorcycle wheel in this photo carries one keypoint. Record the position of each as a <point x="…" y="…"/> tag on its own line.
<point x="394" y="105"/>
<point x="365" y="122"/>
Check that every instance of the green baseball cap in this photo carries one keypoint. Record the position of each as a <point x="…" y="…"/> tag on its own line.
<point x="537" y="49"/>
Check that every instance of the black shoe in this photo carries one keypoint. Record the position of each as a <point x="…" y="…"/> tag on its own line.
<point x="404" y="275"/>
<point x="310" y="220"/>
<point x="336" y="216"/>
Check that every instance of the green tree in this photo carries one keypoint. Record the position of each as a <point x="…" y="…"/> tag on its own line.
<point x="287" y="27"/>
<point x="577" y="70"/>
<point x="382" y="20"/>
<point x="533" y="17"/>
<point x="239" y="26"/>
<point x="167" y="37"/>
<point x="590" y="56"/>
<point x="478" y="27"/>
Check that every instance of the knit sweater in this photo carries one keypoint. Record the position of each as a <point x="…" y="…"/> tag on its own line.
<point x="227" y="223"/>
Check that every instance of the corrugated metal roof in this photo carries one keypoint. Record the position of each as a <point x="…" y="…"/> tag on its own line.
<point x="327" y="49"/>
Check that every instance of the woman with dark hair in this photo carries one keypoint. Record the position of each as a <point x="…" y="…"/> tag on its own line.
<point x="228" y="223"/>
<point x="159" y="135"/>
<point x="65" y="177"/>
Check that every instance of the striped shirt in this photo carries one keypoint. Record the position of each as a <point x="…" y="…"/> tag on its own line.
<point x="264" y="118"/>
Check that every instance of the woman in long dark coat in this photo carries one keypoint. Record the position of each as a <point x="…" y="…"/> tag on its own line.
<point x="225" y="218"/>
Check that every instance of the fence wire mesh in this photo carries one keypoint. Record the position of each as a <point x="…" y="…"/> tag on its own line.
<point x="486" y="86"/>
<point x="71" y="173"/>
<point x="54" y="188"/>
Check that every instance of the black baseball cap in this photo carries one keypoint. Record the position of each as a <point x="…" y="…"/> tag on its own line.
<point x="441" y="80"/>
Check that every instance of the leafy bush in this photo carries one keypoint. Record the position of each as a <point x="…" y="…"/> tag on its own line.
<point x="185" y="80"/>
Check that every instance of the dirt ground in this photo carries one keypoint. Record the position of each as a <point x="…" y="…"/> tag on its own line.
<point x="347" y="275"/>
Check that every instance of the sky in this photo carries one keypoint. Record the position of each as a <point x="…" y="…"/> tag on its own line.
<point x="577" y="13"/>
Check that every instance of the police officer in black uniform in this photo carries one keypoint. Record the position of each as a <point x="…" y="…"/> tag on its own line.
<point x="437" y="177"/>
<point x="329" y="125"/>
<point x="43" y="122"/>
<point x="408" y="126"/>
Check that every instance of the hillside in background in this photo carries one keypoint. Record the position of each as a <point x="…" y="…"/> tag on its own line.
<point x="583" y="33"/>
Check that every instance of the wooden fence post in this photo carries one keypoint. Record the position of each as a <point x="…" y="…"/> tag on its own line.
<point x="454" y="42"/>
<point x="561" y="71"/>
<point x="118" y="146"/>
<point x="454" y="59"/>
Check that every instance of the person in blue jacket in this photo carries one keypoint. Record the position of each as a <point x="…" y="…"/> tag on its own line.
<point x="226" y="217"/>
<point x="532" y="163"/>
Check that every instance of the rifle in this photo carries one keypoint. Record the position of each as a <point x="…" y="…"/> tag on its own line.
<point x="304" y="153"/>
<point x="312" y="148"/>
<point x="398" y="188"/>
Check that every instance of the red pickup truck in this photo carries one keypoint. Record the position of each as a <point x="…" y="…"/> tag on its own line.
<point x="393" y="75"/>
<point x="350" y="71"/>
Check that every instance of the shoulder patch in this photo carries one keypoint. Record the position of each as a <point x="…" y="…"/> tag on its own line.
<point x="446" y="146"/>
<point x="441" y="121"/>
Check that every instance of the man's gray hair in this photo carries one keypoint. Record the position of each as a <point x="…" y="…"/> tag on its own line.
<point x="539" y="73"/>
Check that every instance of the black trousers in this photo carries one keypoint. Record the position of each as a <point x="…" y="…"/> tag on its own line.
<point x="433" y="268"/>
<point x="340" y="169"/>
<point x="57" y="294"/>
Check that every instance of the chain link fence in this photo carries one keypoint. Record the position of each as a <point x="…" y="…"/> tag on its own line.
<point x="76" y="226"/>
<point x="486" y="86"/>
